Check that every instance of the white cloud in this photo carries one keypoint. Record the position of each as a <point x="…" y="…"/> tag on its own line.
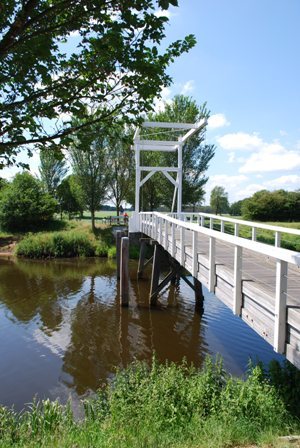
<point x="283" y="133"/>
<point x="163" y="13"/>
<point x="231" y="184"/>
<point x="217" y="121"/>
<point x="271" y="157"/>
<point x="188" y="87"/>
<point x="159" y="103"/>
<point x="240" y="141"/>
<point x="290" y="182"/>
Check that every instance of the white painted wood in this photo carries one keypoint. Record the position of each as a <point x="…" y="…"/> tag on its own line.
<point x="251" y="223"/>
<point x="172" y="169"/>
<point x="277" y="239"/>
<point x="212" y="265"/>
<point x="194" y="252"/>
<point x="254" y="233"/>
<point x="146" y="178"/>
<point x="167" y="125"/>
<point x="280" y="307"/>
<point x="173" y="236"/>
<point x="157" y="148"/>
<point x="198" y="126"/>
<point x="211" y="223"/>
<point x="237" y="281"/>
<point x="166" y="235"/>
<point x="222" y="226"/>
<point x="159" y="142"/>
<point x="179" y="177"/>
<point x="236" y="229"/>
<point x="182" y="232"/>
<point x="170" y="178"/>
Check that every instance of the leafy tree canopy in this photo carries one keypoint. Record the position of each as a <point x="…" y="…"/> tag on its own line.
<point x="195" y="159"/>
<point x="279" y="205"/>
<point x="24" y="205"/>
<point x="115" y="66"/>
<point x="219" y="200"/>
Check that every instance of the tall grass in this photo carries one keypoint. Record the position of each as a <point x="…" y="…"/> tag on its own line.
<point x="159" y="406"/>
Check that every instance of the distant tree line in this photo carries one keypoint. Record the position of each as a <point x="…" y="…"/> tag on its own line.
<point x="264" y="205"/>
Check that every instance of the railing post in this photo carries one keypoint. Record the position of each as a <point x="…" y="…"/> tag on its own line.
<point x="212" y="265"/>
<point x="173" y="240"/>
<point x="166" y="235"/>
<point x="202" y="221"/>
<point x="160" y="230"/>
<point x="280" y="306"/>
<point x="156" y="228"/>
<point x="236" y="229"/>
<point x="237" y="281"/>
<point x="253" y="233"/>
<point x="194" y="252"/>
<point x="182" y="256"/>
<point x="277" y="239"/>
<point x="222" y="226"/>
<point x="211" y="223"/>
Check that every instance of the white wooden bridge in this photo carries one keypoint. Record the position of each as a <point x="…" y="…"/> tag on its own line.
<point x="258" y="281"/>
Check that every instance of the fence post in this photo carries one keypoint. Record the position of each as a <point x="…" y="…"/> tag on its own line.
<point x="173" y="240"/>
<point x="212" y="265"/>
<point x="194" y="252"/>
<point x="253" y="233"/>
<point x="182" y="257"/>
<point x="280" y="306"/>
<point x="237" y="281"/>
<point x="277" y="239"/>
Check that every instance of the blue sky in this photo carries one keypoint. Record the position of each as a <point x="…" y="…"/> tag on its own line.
<point x="246" y="66"/>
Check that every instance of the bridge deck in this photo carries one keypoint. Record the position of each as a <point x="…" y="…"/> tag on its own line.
<point x="258" y="282"/>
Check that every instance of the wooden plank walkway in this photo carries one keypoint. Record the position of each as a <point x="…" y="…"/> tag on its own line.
<point x="258" y="280"/>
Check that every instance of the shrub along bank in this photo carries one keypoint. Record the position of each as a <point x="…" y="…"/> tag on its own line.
<point x="160" y="406"/>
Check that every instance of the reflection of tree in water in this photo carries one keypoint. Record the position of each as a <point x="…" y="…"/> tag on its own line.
<point x="29" y="288"/>
<point x="94" y="350"/>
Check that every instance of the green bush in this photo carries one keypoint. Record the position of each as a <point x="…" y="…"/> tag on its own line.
<point x="57" y="245"/>
<point x="24" y="205"/>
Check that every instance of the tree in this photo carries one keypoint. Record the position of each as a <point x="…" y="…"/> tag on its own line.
<point x="115" y="66"/>
<point x="235" y="208"/>
<point x="279" y="205"/>
<point x="70" y="196"/>
<point x="120" y="162"/>
<point x="88" y="159"/>
<point x="52" y="169"/>
<point x="196" y="153"/>
<point x="219" y="200"/>
<point x="24" y="205"/>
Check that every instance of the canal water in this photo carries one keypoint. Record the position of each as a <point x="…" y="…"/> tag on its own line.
<point x="63" y="333"/>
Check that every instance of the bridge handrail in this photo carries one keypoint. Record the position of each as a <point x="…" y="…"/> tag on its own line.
<point x="252" y="224"/>
<point x="278" y="253"/>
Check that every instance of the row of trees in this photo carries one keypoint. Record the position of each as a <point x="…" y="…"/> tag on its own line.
<point x="264" y="205"/>
<point x="102" y="165"/>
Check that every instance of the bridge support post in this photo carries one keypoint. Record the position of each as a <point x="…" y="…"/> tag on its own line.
<point x="160" y="258"/>
<point x="142" y="257"/>
<point x="124" y="268"/>
<point x="119" y="235"/>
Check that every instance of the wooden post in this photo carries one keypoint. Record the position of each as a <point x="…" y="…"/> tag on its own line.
<point x="280" y="306"/>
<point x="237" y="281"/>
<point x="212" y="265"/>
<point x="155" y="273"/>
<point x="124" y="285"/>
<point x="119" y="235"/>
<point x="199" y="297"/>
<point x="143" y="250"/>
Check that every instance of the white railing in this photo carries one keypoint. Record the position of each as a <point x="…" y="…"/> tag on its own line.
<point x="159" y="226"/>
<point x="202" y="218"/>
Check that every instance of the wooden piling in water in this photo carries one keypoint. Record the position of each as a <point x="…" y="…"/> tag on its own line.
<point x="124" y="271"/>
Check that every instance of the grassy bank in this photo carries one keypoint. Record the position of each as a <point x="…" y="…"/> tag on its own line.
<point x="78" y="241"/>
<point x="160" y="406"/>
